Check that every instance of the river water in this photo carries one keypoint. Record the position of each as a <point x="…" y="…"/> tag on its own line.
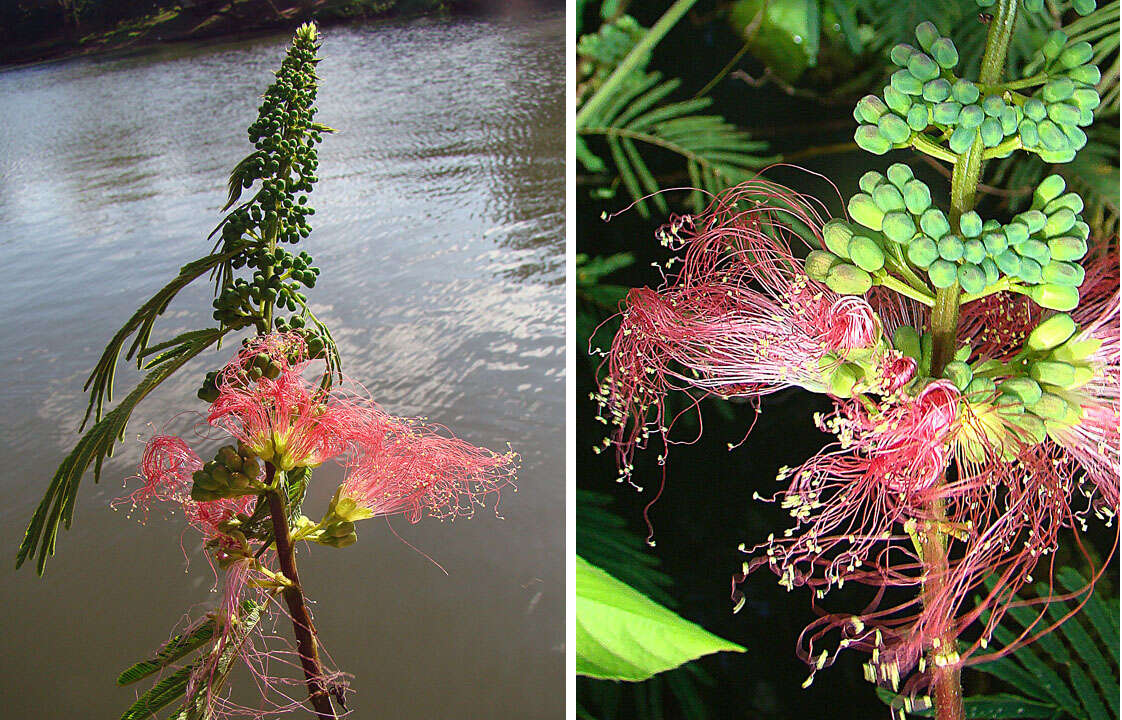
<point x="440" y="233"/>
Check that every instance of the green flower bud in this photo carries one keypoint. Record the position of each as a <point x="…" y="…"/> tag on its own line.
<point x="921" y="66"/>
<point x="975" y="251"/>
<point x="961" y="139"/>
<point x="848" y="280"/>
<point x="1063" y="114"/>
<point x="971" y="116"/>
<point x="898" y="101"/>
<point x="1049" y="407"/>
<point x="943" y="274"/>
<point x="870" y="108"/>
<point x="1030" y="271"/>
<point x="1055" y="297"/>
<point x="898" y="227"/>
<point x="818" y="264"/>
<point x="945" y="53"/>
<point x="1049" y="372"/>
<point x="958" y="373"/>
<point x="1086" y="98"/>
<point x="864" y="210"/>
<point x="1030" y="138"/>
<point x="981" y="388"/>
<point x="1057" y="90"/>
<point x="1084" y="7"/>
<point x="927" y="34"/>
<point x="934" y="223"/>
<point x="1077" y="54"/>
<point x="906" y="340"/>
<point x="989" y="267"/>
<point x="1034" y="249"/>
<point x="918" y="117"/>
<point x="917" y="197"/>
<point x="1076" y="350"/>
<point x="1054" y="45"/>
<point x="1063" y="273"/>
<point x="951" y="248"/>
<point x="1086" y="74"/>
<point x="1032" y="429"/>
<point x="965" y="92"/>
<point x="1067" y="248"/>
<point x="899" y="175"/>
<point x="866" y="253"/>
<point x="900" y="53"/>
<point x="1024" y="388"/>
<point x="994" y="243"/>
<point x="905" y="82"/>
<point x="1034" y="220"/>
<point x="946" y="113"/>
<point x="869" y="139"/>
<point x="1059" y="222"/>
<point x="1051" y="135"/>
<point x="1071" y="201"/>
<point x="1051" y="333"/>
<point x="1009" y="262"/>
<point x="1009" y="119"/>
<point x="922" y="252"/>
<point x="1035" y="110"/>
<point x="888" y="198"/>
<point x="970" y="224"/>
<point x="993" y="105"/>
<point x="229" y="457"/>
<point x="971" y="278"/>
<point x="893" y="128"/>
<point x="991" y="132"/>
<point x="936" y="91"/>
<point x="836" y="233"/>
<point x="870" y="180"/>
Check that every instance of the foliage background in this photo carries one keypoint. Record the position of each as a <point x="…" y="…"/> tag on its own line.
<point x="799" y="102"/>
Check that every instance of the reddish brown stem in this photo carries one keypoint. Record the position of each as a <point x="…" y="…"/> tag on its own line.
<point x="302" y="626"/>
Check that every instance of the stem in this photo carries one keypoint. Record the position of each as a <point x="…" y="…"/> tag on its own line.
<point x="947" y="683"/>
<point x="633" y="60"/>
<point x="294" y="597"/>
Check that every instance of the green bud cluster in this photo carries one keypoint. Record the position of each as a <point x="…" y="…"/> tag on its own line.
<point x="925" y="94"/>
<point x="1040" y="249"/>
<point x="233" y="472"/>
<point x="284" y="164"/>
<point x="600" y="53"/>
<point x="1044" y="377"/>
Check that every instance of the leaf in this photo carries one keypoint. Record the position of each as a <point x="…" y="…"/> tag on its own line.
<point x="197" y="707"/>
<point x="140" y="324"/>
<point x="160" y="695"/>
<point x="171" y="651"/>
<point x="96" y="445"/>
<point x="783" y="34"/>
<point x="622" y="635"/>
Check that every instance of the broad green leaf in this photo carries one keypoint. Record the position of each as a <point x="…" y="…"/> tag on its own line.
<point x="623" y="635"/>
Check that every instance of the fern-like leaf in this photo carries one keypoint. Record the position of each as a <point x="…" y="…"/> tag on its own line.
<point x="97" y="444"/>
<point x="172" y="650"/>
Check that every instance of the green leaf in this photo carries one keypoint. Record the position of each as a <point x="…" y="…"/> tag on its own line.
<point x="171" y="651"/>
<point x="160" y="695"/>
<point x="198" y="706"/>
<point x="623" y="635"/>
<point x="92" y="449"/>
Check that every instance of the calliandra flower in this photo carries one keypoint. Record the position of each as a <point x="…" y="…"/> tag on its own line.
<point x="285" y="419"/>
<point x="739" y="318"/>
<point x="863" y="511"/>
<point x="407" y="467"/>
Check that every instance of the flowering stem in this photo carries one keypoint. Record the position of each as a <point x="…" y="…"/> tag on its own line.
<point x="294" y="597"/>
<point x="947" y="684"/>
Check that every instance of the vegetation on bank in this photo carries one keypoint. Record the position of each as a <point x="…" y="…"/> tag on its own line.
<point x="34" y="30"/>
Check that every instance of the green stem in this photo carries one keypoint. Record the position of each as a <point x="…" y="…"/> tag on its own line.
<point x="633" y="60"/>
<point x="947" y="684"/>
<point x="904" y="289"/>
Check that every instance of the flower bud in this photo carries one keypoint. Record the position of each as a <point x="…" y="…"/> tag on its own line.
<point x="818" y="264"/>
<point x="922" y="252"/>
<point x="1050" y="407"/>
<point x="1076" y="350"/>
<point x="958" y="373"/>
<point x="942" y="273"/>
<point x="971" y="278"/>
<point x="898" y="227"/>
<point x="848" y="280"/>
<point x="1063" y="273"/>
<point x="866" y="254"/>
<point x="1051" y="333"/>
<point x="1024" y="388"/>
<point x="836" y="234"/>
<point x="1050" y="372"/>
<point x="844" y="379"/>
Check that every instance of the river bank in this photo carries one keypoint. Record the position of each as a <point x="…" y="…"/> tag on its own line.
<point x="200" y="20"/>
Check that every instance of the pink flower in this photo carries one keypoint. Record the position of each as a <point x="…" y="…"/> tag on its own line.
<point x="405" y="466"/>
<point x="286" y="420"/>
<point x="740" y="318"/>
